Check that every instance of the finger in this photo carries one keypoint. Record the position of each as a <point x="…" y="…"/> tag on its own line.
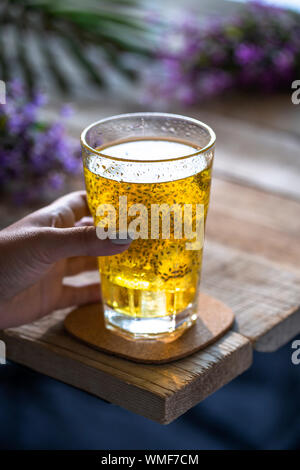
<point x="64" y="212"/>
<point x="58" y="243"/>
<point x="79" y="295"/>
<point x="79" y="264"/>
<point x="85" y="221"/>
<point x="76" y="202"/>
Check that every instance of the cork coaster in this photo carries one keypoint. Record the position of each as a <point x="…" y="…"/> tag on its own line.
<point x="87" y="324"/>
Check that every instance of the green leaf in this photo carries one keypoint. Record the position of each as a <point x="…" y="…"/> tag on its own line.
<point x="52" y="64"/>
<point x="82" y="59"/>
<point x="23" y="58"/>
<point x="114" y="26"/>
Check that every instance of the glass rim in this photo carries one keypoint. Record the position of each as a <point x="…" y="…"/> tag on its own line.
<point x="211" y="133"/>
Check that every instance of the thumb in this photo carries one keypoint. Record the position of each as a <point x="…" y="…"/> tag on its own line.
<point x="61" y="243"/>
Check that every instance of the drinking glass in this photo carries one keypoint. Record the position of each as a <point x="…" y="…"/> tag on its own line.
<point x="148" y="175"/>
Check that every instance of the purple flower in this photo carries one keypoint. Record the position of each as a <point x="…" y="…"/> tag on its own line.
<point x="256" y="48"/>
<point x="284" y="62"/>
<point x="16" y="88"/>
<point x="187" y="95"/>
<point x="172" y="69"/>
<point x="55" y="131"/>
<point x="214" y="82"/>
<point x="39" y="99"/>
<point x="29" y="113"/>
<point x="14" y="123"/>
<point x="55" y="181"/>
<point x="66" y="111"/>
<point x="248" y="54"/>
<point x="71" y="163"/>
<point x="34" y="157"/>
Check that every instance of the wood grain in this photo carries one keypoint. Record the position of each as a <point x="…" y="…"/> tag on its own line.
<point x="264" y="297"/>
<point x="256" y="222"/>
<point x="159" y="392"/>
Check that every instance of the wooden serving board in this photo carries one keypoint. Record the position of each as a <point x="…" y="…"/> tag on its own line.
<point x="158" y="392"/>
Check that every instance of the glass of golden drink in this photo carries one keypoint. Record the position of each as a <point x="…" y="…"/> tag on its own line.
<point x="147" y="163"/>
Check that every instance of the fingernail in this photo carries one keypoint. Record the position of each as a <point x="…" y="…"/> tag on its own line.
<point x="121" y="242"/>
<point x="121" y="238"/>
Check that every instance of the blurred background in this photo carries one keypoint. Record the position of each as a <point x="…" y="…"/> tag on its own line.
<point x="68" y="64"/>
<point x="230" y="64"/>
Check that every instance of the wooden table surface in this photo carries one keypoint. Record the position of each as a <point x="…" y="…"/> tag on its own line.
<point x="252" y="260"/>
